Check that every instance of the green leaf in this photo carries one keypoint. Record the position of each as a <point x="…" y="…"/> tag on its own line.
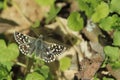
<point x="85" y="7"/>
<point x="1" y="5"/>
<point x="104" y="63"/>
<point x="65" y="63"/>
<point x="44" y="70"/>
<point x="92" y="3"/>
<point x="45" y="2"/>
<point x="116" y="26"/>
<point x="2" y="44"/>
<point x="9" y="53"/>
<point x="116" y="38"/>
<point x="36" y="24"/>
<point x="104" y="78"/>
<point x="115" y="65"/>
<point x="13" y="51"/>
<point x="34" y="76"/>
<point x="50" y="77"/>
<point x="3" y="72"/>
<point x="14" y="48"/>
<point x="112" y="52"/>
<point x="115" y="6"/>
<point x="107" y="23"/>
<point x="8" y="65"/>
<point x="75" y="22"/>
<point x="95" y="77"/>
<point x="101" y="12"/>
<point x="52" y="14"/>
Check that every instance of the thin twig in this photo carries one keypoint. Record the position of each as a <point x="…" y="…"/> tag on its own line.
<point x="20" y="64"/>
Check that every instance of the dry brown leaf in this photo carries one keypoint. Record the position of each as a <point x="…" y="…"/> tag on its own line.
<point x="31" y="10"/>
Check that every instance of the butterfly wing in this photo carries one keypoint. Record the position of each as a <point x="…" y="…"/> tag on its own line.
<point x="48" y="57"/>
<point x="53" y="51"/>
<point x="27" y="48"/>
<point x="21" y="38"/>
<point x="49" y="52"/>
<point x="56" y="49"/>
<point x="26" y="43"/>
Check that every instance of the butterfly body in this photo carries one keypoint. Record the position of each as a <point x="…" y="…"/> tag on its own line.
<point x="45" y="50"/>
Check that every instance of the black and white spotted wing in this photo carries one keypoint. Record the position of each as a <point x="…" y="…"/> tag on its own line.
<point x="46" y="51"/>
<point x="26" y="43"/>
<point x="21" y="38"/>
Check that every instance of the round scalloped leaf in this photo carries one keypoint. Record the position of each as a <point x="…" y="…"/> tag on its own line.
<point x="9" y="54"/>
<point x="112" y="52"/>
<point x="8" y="65"/>
<point x="34" y="76"/>
<point x="2" y="44"/>
<point x="115" y="65"/>
<point x="65" y="63"/>
<point x="101" y="12"/>
<point x="14" y="49"/>
<point x="107" y="23"/>
<point x="85" y="7"/>
<point x="4" y="73"/>
<point x="3" y="57"/>
<point x="115" y="6"/>
<point x="44" y="70"/>
<point x="116" y="38"/>
<point x="75" y="22"/>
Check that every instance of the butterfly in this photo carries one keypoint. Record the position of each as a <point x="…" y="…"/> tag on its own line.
<point x="42" y="49"/>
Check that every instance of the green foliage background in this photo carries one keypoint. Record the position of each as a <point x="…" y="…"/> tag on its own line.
<point x="97" y="10"/>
